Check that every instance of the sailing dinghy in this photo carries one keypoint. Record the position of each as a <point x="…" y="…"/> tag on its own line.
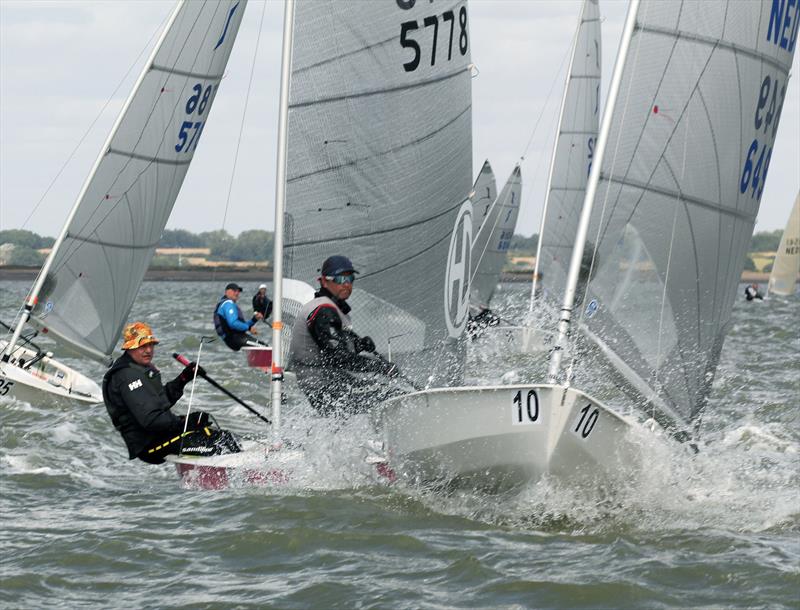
<point x="783" y="277"/>
<point x="375" y="163"/>
<point x="86" y="287"/>
<point x="491" y="243"/>
<point x="669" y="210"/>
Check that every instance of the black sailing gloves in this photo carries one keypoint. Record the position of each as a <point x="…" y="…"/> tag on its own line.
<point x="364" y="344"/>
<point x="187" y="374"/>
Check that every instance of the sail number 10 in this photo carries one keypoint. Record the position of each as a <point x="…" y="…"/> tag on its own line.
<point x="525" y="410"/>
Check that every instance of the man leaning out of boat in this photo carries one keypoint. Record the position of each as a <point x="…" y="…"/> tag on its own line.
<point x="139" y="405"/>
<point x="328" y="358"/>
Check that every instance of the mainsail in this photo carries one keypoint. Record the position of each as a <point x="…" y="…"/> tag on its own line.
<point x="493" y="240"/>
<point x="96" y="272"/>
<point x="572" y="155"/>
<point x="783" y="278"/>
<point x="379" y="169"/>
<point x="484" y="194"/>
<point x="682" y="163"/>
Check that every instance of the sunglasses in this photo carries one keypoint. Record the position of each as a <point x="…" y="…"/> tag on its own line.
<point x="340" y="279"/>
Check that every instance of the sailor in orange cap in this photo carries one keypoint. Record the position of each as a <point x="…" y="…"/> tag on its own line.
<point x="139" y="405"/>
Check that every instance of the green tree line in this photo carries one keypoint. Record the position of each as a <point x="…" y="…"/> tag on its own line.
<point x="257" y="245"/>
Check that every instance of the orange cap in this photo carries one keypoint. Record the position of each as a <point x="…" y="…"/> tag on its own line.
<point x="136" y="335"/>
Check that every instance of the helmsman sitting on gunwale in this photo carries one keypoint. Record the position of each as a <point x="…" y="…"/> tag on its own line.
<point x="328" y="357"/>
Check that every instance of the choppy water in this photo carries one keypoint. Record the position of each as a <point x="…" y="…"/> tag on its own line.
<point x="82" y="527"/>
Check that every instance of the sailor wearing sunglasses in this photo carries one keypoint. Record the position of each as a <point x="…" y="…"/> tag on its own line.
<point x="328" y="357"/>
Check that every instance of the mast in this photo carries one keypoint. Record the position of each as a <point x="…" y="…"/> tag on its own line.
<point x="591" y="189"/>
<point x="553" y="158"/>
<point x="280" y="205"/>
<point x="33" y="295"/>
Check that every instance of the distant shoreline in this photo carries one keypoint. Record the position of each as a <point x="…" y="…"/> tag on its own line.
<point x="252" y="275"/>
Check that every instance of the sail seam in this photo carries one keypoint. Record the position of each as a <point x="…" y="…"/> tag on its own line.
<point x="714" y="42"/>
<point x="109" y="244"/>
<point x="187" y="73"/>
<point x="340" y="98"/>
<point x="688" y="198"/>
<point x="160" y="160"/>
<point x="343" y="55"/>
<point x="350" y="236"/>
<point x="383" y="153"/>
<point x="405" y="260"/>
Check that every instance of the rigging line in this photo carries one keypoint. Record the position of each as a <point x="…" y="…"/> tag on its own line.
<point x="556" y="79"/>
<point x="595" y="246"/>
<point x="94" y="122"/>
<point x="191" y="394"/>
<point x="241" y="126"/>
<point x="666" y="274"/>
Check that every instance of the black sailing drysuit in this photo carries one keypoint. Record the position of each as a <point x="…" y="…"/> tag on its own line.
<point x="139" y="407"/>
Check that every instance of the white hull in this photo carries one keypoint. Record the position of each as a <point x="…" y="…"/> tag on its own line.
<point x="499" y="437"/>
<point x="46" y="380"/>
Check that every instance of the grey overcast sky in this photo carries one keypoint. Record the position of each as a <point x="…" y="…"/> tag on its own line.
<point x="62" y="61"/>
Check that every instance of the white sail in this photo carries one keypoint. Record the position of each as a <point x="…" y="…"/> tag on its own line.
<point x="783" y="277"/>
<point x="484" y="194"/>
<point x="682" y="159"/>
<point x="96" y="272"/>
<point x="573" y="152"/>
<point x="491" y="245"/>
<point x="379" y="169"/>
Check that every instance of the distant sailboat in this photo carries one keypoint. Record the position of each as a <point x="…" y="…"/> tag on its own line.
<point x="783" y="278"/>
<point x="571" y="162"/>
<point x="87" y="286"/>
<point x="492" y="240"/>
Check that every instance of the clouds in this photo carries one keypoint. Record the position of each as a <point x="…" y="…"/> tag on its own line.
<point x="61" y="61"/>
